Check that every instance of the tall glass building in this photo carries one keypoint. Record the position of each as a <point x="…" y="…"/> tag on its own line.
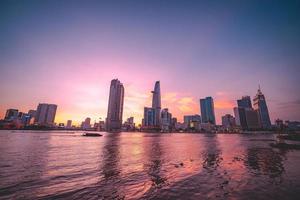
<point x="260" y="105"/>
<point x="45" y="114"/>
<point x="156" y="103"/>
<point x="207" y="110"/>
<point x="115" y="106"/>
<point x="244" y="102"/>
<point x="149" y="117"/>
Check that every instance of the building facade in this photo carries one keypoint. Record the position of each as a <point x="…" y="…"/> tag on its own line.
<point x="207" y="110"/>
<point x="11" y="114"/>
<point x="166" y="120"/>
<point x="191" y="121"/>
<point x="244" y="102"/>
<point x="245" y="116"/>
<point x="150" y="115"/>
<point x="228" y="121"/>
<point x="252" y="119"/>
<point x="86" y="124"/>
<point x="260" y="105"/>
<point x="115" y="106"/>
<point x="45" y="114"/>
<point x="156" y="103"/>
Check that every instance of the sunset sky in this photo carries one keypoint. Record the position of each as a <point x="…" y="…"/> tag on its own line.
<point x="67" y="52"/>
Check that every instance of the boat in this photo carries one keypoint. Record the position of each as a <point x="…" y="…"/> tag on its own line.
<point x="92" y="134"/>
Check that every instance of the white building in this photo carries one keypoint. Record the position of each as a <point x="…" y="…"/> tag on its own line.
<point x="45" y="114"/>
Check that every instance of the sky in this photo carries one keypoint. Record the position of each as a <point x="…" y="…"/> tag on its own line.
<point x="67" y="52"/>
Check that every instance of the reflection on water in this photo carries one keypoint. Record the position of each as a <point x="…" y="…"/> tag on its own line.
<point x="110" y="169"/>
<point x="264" y="161"/>
<point x="211" y="155"/>
<point x="155" y="162"/>
<point x="59" y="165"/>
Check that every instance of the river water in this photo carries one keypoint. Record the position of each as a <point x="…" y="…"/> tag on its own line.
<point x="65" y="165"/>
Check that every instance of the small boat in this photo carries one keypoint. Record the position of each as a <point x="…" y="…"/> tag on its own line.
<point x="92" y="134"/>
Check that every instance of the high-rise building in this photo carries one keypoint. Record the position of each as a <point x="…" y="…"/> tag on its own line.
<point x="45" y="114"/>
<point x="25" y="118"/>
<point x="86" y="124"/>
<point x="115" y="106"/>
<point x="252" y="119"/>
<point x="207" y="110"/>
<point x="69" y="124"/>
<point x="152" y="116"/>
<point x="191" y="120"/>
<point x="156" y="103"/>
<point x="166" y="120"/>
<point x="149" y="117"/>
<point x="244" y="102"/>
<point x="228" y="121"/>
<point x="32" y="113"/>
<point x="240" y="117"/>
<point x="173" y="123"/>
<point x="246" y="117"/>
<point x="11" y="114"/>
<point x="260" y="105"/>
<point x="129" y="124"/>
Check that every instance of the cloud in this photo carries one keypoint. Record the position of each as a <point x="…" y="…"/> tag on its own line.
<point x="289" y="104"/>
<point x="180" y="104"/>
<point x="223" y="104"/>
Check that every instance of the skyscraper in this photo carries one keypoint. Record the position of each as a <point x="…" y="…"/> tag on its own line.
<point x="166" y="120"/>
<point x="86" y="124"/>
<point x="191" y="120"/>
<point x="11" y="114"/>
<point x="45" y="114"/>
<point x="244" y="102"/>
<point x="240" y="117"/>
<point x="207" y="110"/>
<point x="115" y="106"/>
<point x="156" y="103"/>
<point x="149" y="117"/>
<point x="228" y="121"/>
<point x="260" y="105"/>
<point x="252" y="119"/>
<point x="246" y="117"/>
<point x="69" y="124"/>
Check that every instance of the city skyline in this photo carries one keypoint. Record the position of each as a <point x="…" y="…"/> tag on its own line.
<point x="195" y="49"/>
<point x="206" y="106"/>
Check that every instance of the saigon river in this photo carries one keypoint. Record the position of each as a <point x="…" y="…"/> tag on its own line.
<point x="65" y="165"/>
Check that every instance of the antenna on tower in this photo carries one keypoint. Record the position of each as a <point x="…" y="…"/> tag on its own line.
<point x="259" y="91"/>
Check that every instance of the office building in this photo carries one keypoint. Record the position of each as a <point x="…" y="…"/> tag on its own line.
<point x="25" y="119"/>
<point x="32" y="113"/>
<point x="228" y="121"/>
<point x="207" y="110"/>
<point x="86" y="124"/>
<point x="156" y="103"/>
<point x="252" y="119"/>
<point x="129" y="124"/>
<point x="260" y="105"/>
<point x="240" y="117"/>
<point x="166" y="120"/>
<point x="244" y="102"/>
<point x="150" y="115"/>
<point x="173" y="123"/>
<point x="69" y="124"/>
<point x="192" y="121"/>
<point x="11" y="114"/>
<point x="45" y="114"/>
<point x="115" y="106"/>
<point x="245" y="116"/>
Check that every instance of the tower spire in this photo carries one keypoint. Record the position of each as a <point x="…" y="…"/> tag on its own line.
<point x="259" y="90"/>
